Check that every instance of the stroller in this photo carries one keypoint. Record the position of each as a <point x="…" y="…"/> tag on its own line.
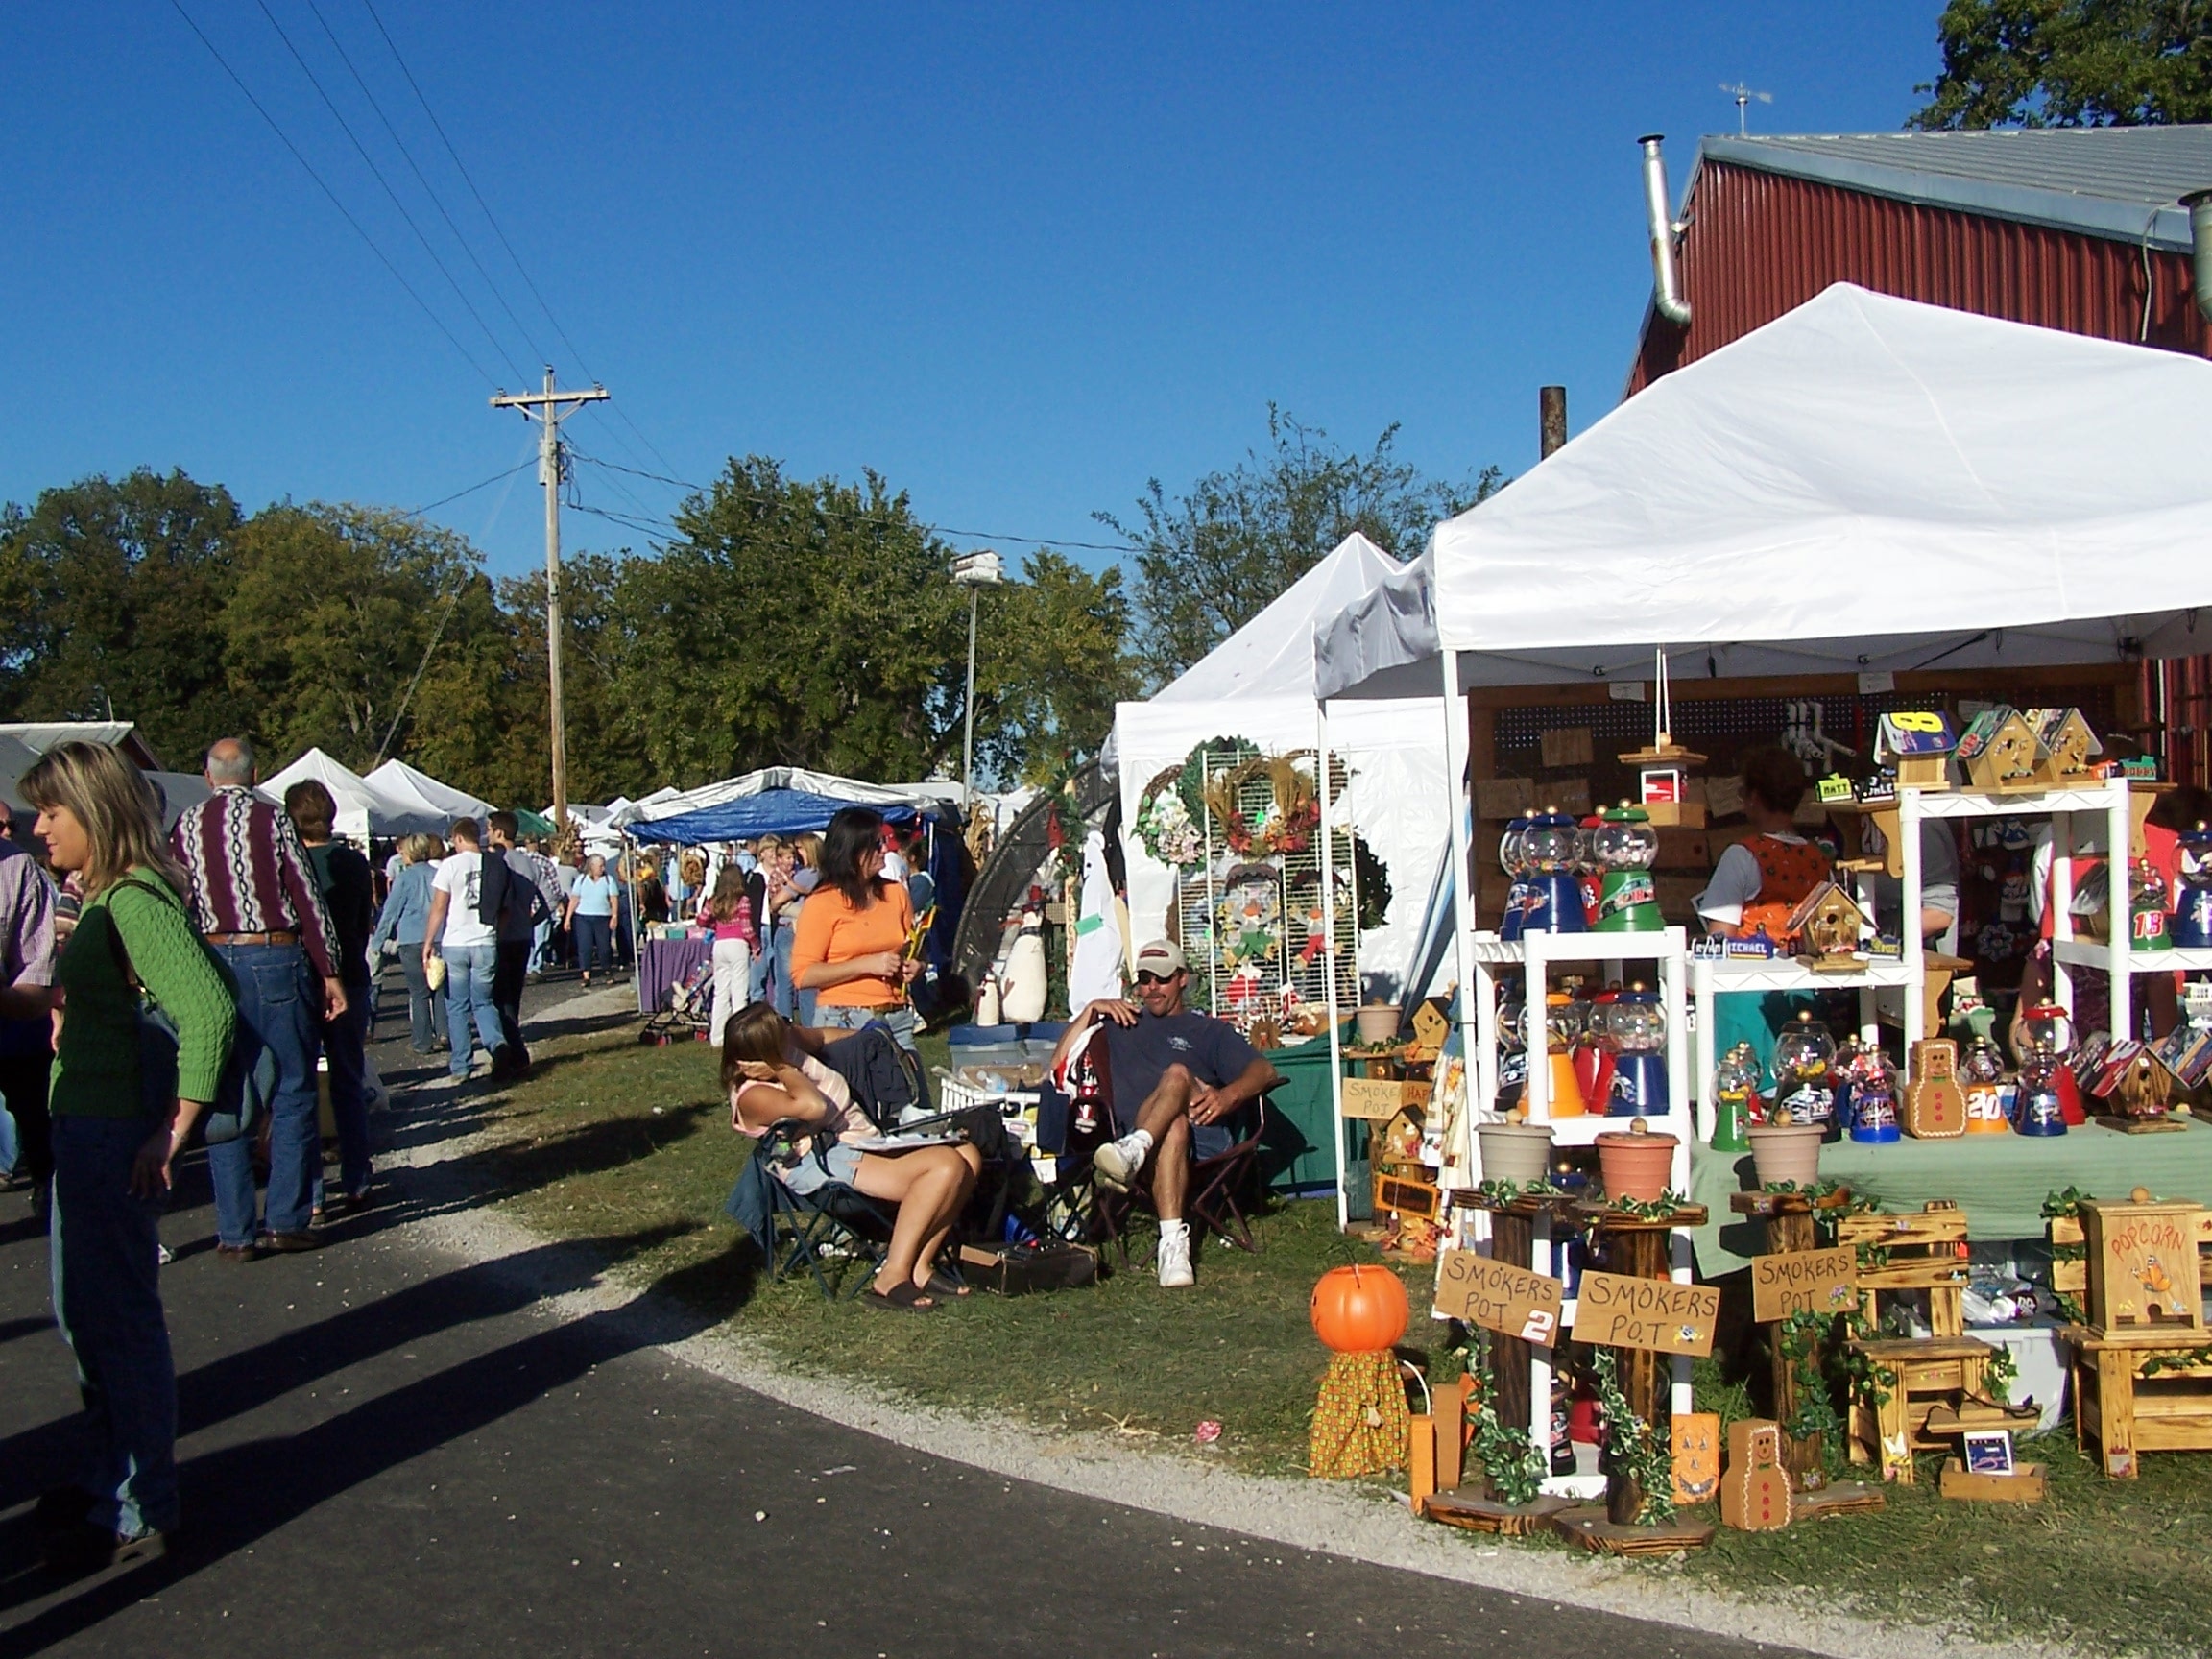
<point x="690" y="1011"/>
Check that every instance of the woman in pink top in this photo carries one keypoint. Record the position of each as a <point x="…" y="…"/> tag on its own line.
<point x="729" y="916"/>
<point x="771" y="1069"/>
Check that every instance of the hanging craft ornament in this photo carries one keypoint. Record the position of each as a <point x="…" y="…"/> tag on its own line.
<point x="1248" y="922"/>
<point x="1286" y="815"/>
<point x="1165" y="824"/>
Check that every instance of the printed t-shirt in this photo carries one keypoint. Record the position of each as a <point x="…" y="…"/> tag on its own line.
<point x="1211" y="1051"/>
<point x="461" y="879"/>
<point x="830" y="931"/>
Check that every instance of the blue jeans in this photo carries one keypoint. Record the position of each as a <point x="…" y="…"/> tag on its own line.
<point x="469" y="972"/>
<point x="425" y="1007"/>
<point x="592" y="951"/>
<point x="344" y="1040"/>
<point x="900" y="1021"/>
<point x="279" y="1004"/>
<point x="539" y="936"/>
<point x="107" y="1301"/>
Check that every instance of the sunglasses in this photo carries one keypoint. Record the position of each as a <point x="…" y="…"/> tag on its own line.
<point x="1150" y="978"/>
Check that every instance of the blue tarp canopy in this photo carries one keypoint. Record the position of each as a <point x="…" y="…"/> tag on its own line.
<point x="770" y="812"/>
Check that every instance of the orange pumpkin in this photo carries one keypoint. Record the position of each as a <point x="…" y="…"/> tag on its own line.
<point x="1359" y="1310"/>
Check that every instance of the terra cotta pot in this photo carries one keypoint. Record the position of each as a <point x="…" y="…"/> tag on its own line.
<point x="1636" y="1163"/>
<point x="1516" y="1152"/>
<point x="1787" y="1152"/>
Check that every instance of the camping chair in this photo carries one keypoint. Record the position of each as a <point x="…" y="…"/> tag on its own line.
<point x="1212" y="1205"/>
<point x="831" y="1221"/>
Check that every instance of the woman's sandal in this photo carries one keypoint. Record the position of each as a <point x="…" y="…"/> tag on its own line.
<point x="902" y="1296"/>
<point x="943" y="1283"/>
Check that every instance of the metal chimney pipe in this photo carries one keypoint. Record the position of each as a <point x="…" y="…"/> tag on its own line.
<point x="1551" y="418"/>
<point x="2199" y="206"/>
<point x="1666" y="290"/>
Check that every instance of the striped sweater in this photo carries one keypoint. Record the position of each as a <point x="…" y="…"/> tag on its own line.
<point x="250" y="873"/>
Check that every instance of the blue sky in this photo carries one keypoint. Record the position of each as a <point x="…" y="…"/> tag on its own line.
<point x="1018" y="258"/>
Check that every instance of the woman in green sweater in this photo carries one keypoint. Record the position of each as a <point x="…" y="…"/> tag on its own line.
<point x="122" y="1106"/>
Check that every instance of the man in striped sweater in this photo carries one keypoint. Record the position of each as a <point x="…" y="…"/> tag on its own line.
<point x="256" y="897"/>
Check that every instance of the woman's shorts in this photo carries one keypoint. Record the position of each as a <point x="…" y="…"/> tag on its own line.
<point x="808" y="1175"/>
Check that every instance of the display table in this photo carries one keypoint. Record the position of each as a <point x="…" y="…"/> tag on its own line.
<point x="662" y="964"/>
<point x="1999" y="1180"/>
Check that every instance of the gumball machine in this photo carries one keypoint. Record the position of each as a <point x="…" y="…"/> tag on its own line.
<point x="1735" y="1098"/>
<point x="1591" y="874"/>
<point x="1552" y="847"/>
<point x="2147" y="908"/>
<point x="1516" y="867"/>
<point x="1873" y="1097"/>
<point x="1562" y="1017"/>
<point x="2193" y="914"/>
<point x="1981" y="1079"/>
<point x="1804" y="1076"/>
<point x="2049" y="1098"/>
<point x="1624" y="847"/>
<point x="1636" y="1033"/>
<point x="1593" y="1051"/>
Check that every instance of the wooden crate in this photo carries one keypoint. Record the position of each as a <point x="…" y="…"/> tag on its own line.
<point x="1926" y="1252"/>
<point x="2023" y="1485"/>
<point x="2143" y="1273"/>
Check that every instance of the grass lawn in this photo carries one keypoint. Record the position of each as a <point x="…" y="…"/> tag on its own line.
<point x="616" y="1141"/>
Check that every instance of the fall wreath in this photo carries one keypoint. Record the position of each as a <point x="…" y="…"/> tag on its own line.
<point x="1284" y="809"/>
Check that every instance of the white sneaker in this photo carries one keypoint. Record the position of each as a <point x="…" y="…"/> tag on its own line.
<point x="1175" y="1256"/>
<point x="1117" y="1163"/>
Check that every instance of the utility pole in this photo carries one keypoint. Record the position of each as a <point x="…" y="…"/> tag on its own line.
<point x="974" y="571"/>
<point x="549" y="408"/>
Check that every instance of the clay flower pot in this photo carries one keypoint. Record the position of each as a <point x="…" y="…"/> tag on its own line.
<point x="1516" y="1152"/>
<point x="1787" y="1152"/>
<point x="1636" y="1164"/>
<point x="1377" y="1022"/>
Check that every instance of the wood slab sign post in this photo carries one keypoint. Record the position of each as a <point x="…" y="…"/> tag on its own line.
<point x="1521" y="1309"/>
<point x="1788" y="1218"/>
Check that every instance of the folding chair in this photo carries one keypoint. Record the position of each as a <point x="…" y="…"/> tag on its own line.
<point x="1212" y="1202"/>
<point x="795" y="1230"/>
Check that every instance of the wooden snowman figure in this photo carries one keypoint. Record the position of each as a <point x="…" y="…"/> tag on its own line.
<point x="1755" y="1491"/>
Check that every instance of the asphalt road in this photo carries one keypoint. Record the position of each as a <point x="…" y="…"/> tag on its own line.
<point x="387" y="1450"/>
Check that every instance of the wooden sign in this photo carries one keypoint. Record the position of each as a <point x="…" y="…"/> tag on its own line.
<point x="1804" y="1281"/>
<point x="1755" y="1491"/>
<point x="1695" y="1437"/>
<point x="1499" y="1297"/>
<point x="1656" y="1315"/>
<point x="1375" y="1100"/>
<point x="1568" y="746"/>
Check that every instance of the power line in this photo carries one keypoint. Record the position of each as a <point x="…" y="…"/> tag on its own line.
<point x="485" y="484"/>
<point x="368" y="160"/>
<point x="407" y="156"/>
<point x="283" y="138"/>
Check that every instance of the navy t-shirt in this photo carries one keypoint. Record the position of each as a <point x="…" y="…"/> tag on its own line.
<point x="1212" y="1050"/>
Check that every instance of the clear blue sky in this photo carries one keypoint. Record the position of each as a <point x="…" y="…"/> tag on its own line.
<point x="1019" y="259"/>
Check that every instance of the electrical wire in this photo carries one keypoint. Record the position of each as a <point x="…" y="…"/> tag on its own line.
<point x="283" y="138"/>
<point x="485" y="484"/>
<point x="376" y="172"/>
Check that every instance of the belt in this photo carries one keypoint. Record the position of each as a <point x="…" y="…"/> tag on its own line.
<point x="252" y="938"/>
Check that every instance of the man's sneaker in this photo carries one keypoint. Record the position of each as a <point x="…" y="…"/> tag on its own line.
<point x="1117" y="1163"/>
<point x="1175" y="1256"/>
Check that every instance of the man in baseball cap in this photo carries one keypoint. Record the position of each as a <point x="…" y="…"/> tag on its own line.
<point x="1177" y="1077"/>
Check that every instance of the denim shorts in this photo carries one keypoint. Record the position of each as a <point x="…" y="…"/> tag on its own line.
<point x="808" y="1174"/>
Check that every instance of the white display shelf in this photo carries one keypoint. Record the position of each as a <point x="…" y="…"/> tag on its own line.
<point x="1788" y="973"/>
<point x="2087" y="953"/>
<point x="1492" y="951"/>
<point x="2025" y="803"/>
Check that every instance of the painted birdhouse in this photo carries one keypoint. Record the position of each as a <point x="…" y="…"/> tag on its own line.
<point x="1431" y="1025"/>
<point x="1827" y="923"/>
<point x="1662" y="783"/>
<point x="2000" y="751"/>
<point x="1917" y="743"/>
<point x="1755" y="1490"/>
<point x="2068" y="743"/>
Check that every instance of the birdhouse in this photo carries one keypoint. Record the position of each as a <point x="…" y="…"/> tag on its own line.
<point x="2143" y="1264"/>
<point x="1827" y="924"/>
<point x="1755" y="1490"/>
<point x="2000" y="751"/>
<point x="2068" y="744"/>
<point x="1935" y="1105"/>
<point x="1917" y="744"/>
<point x="1431" y="1025"/>
<point x="1662" y="783"/>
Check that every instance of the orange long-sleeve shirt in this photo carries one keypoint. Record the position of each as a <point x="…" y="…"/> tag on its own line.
<point x="830" y="931"/>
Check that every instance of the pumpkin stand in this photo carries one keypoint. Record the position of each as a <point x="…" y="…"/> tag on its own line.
<point x="1360" y="1424"/>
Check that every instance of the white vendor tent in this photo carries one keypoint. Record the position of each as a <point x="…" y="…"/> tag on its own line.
<point x="1259" y="684"/>
<point x="1865" y="485"/>
<point x="362" y="810"/>
<point x="408" y="786"/>
<point x="669" y="803"/>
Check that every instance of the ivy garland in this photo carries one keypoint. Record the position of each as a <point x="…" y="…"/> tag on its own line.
<point x="1818" y="1372"/>
<point x="1659" y="1209"/>
<point x="1632" y="1446"/>
<point x="2065" y="1204"/>
<point x="1509" y="1454"/>
<point x="2004" y="1371"/>
<point x="1503" y="1193"/>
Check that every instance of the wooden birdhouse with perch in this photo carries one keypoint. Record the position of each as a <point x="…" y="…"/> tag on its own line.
<point x="1827" y="924"/>
<point x="2001" y="752"/>
<point x="1917" y="744"/>
<point x="1663" y="769"/>
<point x="2068" y="746"/>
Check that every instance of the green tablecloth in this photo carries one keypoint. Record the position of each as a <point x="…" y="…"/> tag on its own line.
<point x="1999" y="1180"/>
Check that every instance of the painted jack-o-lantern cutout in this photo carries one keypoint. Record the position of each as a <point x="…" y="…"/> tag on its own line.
<point x="1695" y="1437"/>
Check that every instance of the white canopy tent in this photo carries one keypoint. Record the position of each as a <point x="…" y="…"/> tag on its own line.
<point x="362" y="811"/>
<point x="1259" y="684"/>
<point x="408" y="786"/>
<point x="669" y="803"/>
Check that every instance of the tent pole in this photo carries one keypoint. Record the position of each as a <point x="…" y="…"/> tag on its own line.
<point x="1329" y="961"/>
<point x="1457" y="791"/>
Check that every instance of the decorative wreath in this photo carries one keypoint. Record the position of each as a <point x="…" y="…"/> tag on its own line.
<point x="1285" y="822"/>
<point x="1165" y="824"/>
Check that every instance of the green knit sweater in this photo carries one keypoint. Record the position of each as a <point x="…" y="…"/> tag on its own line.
<point x="96" y="1068"/>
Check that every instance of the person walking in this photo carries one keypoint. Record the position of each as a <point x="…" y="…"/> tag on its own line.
<point x="546" y="874"/>
<point x="27" y="944"/>
<point x="122" y="1104"/>
<point x="256" y="899"/>
<point x="348" y="889"/>
<point x="727" y="914"/>
<point x="468" y="947"/>
<point x="516" y="897"/>
<point x="850" y="944"/>
<point x="401" y="922"/>
<point x="591" y="915"/>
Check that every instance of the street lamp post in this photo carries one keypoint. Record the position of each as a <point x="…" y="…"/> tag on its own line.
<point x="974" y="571"/>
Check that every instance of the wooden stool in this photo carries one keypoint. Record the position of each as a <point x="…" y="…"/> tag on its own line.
<point x="2126" y="1413"/>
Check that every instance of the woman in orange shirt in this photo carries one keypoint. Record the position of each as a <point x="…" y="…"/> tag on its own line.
<point x="849" y="946"/>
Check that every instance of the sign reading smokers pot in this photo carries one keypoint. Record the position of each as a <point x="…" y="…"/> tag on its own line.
<point x="1651" y="1313"/>
<point x="1804" y="1281"/>
<point x="1501" y="1297"/>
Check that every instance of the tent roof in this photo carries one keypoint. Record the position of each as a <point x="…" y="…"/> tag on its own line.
<point x="763" y="812"/>
<point x="359" y="802"/>
<point x="1272" y="655"/>
<point x="1864" y="484"/>
<point x="663" y="804"/>
<point x="409" y="785"/>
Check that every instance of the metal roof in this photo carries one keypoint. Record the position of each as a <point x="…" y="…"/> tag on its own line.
<point x="2119" y="181"/>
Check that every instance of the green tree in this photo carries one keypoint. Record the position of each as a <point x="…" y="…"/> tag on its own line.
<point x="1211" y="560"/>
<point x="1051" y="662"/>
<point x="110" y="595"/>
<point x="2071" y="63"/>
<point x="607" y="748"/>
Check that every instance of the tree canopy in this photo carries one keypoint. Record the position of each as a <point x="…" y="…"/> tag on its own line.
<point x="2071" y="63"/>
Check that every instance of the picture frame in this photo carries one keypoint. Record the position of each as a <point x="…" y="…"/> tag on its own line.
<point x="1989" y="1451"/>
